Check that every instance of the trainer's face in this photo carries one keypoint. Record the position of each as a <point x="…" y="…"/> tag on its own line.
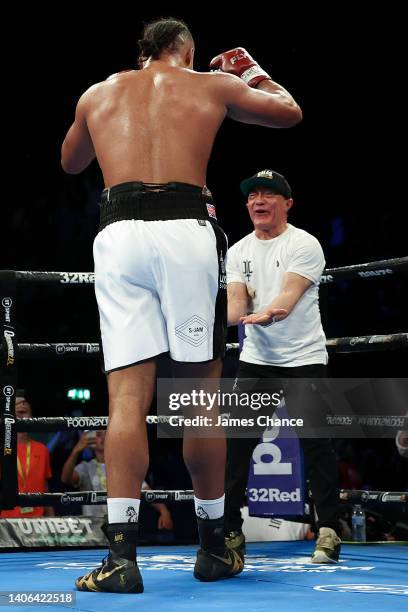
<point x="268" y="210"/>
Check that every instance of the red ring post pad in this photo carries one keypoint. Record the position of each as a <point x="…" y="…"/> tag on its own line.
<point x="8" y="383"/>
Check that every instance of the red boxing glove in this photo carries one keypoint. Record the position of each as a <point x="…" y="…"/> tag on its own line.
<point x="239" y="62"/>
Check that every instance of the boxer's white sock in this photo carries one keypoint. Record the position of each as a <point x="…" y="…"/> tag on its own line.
<point x="209" y="508"/>
<point x="123" y="510"/>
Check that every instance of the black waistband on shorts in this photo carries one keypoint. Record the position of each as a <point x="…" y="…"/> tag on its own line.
<point x="155" y="202"/>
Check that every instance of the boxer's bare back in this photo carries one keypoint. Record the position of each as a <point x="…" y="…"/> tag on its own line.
<point x="158" y="124"/>
<point x="155" y="125"/>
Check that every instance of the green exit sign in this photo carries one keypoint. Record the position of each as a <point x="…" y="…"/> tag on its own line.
<point x="81" y="395"/>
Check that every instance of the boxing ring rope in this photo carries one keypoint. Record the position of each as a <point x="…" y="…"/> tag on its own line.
<point x="53" y="424"/>
<point x="95" y="498"/>
<point x="11" y="350"/>
<point x="373" y="269"/>
<point x="368" y="498"/>
<point x="89" y="349"/>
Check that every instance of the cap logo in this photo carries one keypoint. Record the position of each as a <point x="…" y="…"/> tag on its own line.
<point x="265" y="174"/>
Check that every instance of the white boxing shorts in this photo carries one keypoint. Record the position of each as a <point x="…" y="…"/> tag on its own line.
<point x="160" y="274"/>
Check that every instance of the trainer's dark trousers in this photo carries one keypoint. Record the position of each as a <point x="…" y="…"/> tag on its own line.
<point x="320" y="460"/>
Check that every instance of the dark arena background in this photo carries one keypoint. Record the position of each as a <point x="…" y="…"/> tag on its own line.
<point x="344" y="63"/>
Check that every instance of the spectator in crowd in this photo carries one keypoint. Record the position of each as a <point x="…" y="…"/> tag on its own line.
<point x="401" y="441"/>
<point x="91" y="476"/>
<point x="33" y="465"/>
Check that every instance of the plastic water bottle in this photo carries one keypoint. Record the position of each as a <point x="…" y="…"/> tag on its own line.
<point x="358" y="524"/>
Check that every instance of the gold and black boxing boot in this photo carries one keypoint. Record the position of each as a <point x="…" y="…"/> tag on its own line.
<point x="119" y="572"/>
<point x="214" y="560"/>
<point x="236" y="541"/>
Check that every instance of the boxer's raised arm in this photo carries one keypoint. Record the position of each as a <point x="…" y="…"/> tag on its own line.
<point x="254" y="97"/>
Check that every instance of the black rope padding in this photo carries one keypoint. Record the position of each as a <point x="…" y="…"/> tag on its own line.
<point x="58" y="349"/>
<point x="99" y="497"/>
<point x="96" y="498"/>
<point x="365" y="344"/>
<point x="373" y="497"/>
<point x="373" y="269"/>
<point x="74" y="279"/>
<point x="51" y="424"/>
<point x="355" y="344"/>
<point x="80" y="422"/>
<point x="90" y="349"/>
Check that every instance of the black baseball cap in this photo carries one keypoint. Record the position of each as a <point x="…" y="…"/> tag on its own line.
<point x="267" y="178"/>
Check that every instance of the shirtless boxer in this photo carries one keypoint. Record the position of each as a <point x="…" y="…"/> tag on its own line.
<point x="159" y="263"/>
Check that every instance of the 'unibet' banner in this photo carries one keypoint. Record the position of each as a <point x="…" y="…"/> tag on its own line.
<point x="64" y="531"/>
<point x="275" y="483"/>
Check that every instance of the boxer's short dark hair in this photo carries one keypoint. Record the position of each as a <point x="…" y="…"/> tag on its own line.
<point x="161" y="34"/>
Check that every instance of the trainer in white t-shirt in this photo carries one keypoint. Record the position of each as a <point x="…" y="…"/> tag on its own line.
<point x="298" y="339"/>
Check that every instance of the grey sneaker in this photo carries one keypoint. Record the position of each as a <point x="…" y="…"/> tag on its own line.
<point x="327" y="546"/>
<point x="235" y="540"/>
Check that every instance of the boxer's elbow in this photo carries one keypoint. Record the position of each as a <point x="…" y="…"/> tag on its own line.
<point x="75" y="161"/>
<point x="285" y="116"/>
<point x="296" y="115"/>
<point x="67" y="160"/>
<point x="290" y="115"/>
<point x="69" y="168"/>
<point x="72" y="166"/>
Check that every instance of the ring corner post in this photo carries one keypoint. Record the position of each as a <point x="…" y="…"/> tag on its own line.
<point x="8" y="384"/>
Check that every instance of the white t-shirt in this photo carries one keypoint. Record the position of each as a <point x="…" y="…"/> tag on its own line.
<point x="261" y="265"/>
